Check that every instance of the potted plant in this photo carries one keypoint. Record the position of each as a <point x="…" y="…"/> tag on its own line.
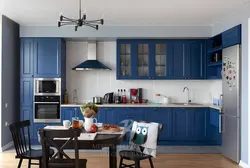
<point x="89" y="110"/>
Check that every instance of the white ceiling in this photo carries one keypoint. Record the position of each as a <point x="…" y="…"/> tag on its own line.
<point x="123" y="12"/>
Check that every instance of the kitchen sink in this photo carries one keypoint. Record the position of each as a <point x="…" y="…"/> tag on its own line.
<point x="185" y="104"/>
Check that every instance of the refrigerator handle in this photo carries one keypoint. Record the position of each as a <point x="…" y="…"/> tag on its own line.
<point x="220" y="124"/>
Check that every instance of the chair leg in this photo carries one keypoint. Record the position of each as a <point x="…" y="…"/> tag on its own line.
<point x="29" y="163"/>
<point x="151" y="162"/>
<point x="20" y="163"/>
<point x="120" y="165"/>
<point x="40" y="163"/>
<point x="137" y="164"/>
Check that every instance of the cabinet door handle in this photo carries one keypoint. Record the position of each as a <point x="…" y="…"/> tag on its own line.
<point x="220" y="125"/>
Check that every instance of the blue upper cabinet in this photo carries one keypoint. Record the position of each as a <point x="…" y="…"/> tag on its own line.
<point x="42" y="57"/>
<point x="160" y="59"/>
<point x="125" y="53"/>
<point x="194" y="59"/>
<point x="231" y="37"/>
<point x="26" y="57"/>
<point x="47" y="57"/>
<point x="26" y="92"/>
<point x="175" y="59"/>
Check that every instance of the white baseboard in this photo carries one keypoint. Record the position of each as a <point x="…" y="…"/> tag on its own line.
<point x="7" y="146"/>
<point x="243" y="164"/>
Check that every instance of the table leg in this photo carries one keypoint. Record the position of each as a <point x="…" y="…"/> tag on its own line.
<point x="112" y="157"/>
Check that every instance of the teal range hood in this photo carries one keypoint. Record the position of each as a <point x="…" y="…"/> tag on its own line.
<point x="91" y="63"/>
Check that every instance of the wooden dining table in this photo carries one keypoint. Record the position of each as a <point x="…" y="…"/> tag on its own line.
<point x="101" y="140"/>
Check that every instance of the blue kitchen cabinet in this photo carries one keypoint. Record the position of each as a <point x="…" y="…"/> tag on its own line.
<point x="26" y="57"/>
<point x="182" y="124"/>
<point x="163" y="116"/>
<point x="126" y="116"/>
<point x="67" y="113"/>
<point x="194" y="59"/>
<point x="36" y="127"/>
<point x="47" y="57"/>
<point x="231" y="37"/>
<point x="161" y="59"/>
<point x="214" y="127"/>
<point x="106" y="115"/>
<point x="200" y="124"/>
<point x="129" y="114"/>
<point x="26" y="113"/>
<point x="175" y="59"/>
<point x="126" y="54"/>
<point x="26" y="92"/>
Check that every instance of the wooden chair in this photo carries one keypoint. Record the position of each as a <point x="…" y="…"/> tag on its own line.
<point x="47" y="140"/>
<point x="21" y="138"/>
<point x="135" y="156"/>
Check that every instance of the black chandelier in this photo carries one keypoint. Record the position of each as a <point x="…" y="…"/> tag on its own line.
<point x="64" y="21"/>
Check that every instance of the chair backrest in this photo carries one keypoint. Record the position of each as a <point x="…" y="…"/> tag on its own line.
<point x="21" y="136"/>
<point x="160" y="128"/>
<point x="48" y="140"/>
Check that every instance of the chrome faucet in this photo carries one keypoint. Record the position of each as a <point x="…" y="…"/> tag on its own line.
<point x="188" y="100"/>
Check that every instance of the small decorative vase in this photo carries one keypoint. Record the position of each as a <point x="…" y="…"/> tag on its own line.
<point x="88" y="123"/>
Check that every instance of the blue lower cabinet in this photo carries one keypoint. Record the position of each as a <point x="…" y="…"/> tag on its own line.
<point x="36" y="126"/>
<point x="27" y="114"/>
<point x="214" y="127"/>
<point x="200" y="124"/>
<point x="130" y="113"/>
<point x="164" y="117"/>
<point x="182" y="124"/>
<point x="68" y="112"/>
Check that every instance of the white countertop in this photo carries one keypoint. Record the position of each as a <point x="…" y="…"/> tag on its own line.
<point x="147" y="105"/>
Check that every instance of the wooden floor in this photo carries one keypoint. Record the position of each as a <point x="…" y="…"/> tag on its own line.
<point x="100" y="160"/>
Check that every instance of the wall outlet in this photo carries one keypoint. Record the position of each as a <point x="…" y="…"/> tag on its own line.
<point x="6" y="124"/>
<point x="5" y="105"/>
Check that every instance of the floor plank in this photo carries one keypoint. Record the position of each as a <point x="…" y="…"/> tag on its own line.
<point x="100" y="160"/>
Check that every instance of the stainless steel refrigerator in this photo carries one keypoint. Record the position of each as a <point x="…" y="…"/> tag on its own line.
<point x="230" y="115"/>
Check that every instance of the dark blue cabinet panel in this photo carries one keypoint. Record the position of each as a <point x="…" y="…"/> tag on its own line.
<point x="200" y="124"/>
<point x="129" y="113"/>
<point x="194" y="60"/>
<point x="175" y="59"/>
<point x="231" y="37"/>
<point x="47" y="57"/>
<point x="68" y="113"/>
<point x="26" y="57"/>
<point x="26" y="113"/>
<point x="182" y="124"/>
<point x="214" y="127"/>
<point x="26" y="92"/>
<point x="163" y="116"/>
<point x="36" y="127"/>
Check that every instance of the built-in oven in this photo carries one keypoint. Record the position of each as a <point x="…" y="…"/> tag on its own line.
<point x="47" y="109"/>
<point x="47" y="86"/>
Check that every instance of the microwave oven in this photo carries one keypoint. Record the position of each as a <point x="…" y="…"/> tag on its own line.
<point x="47" y="86"/>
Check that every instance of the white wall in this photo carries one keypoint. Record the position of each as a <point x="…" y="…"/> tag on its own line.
<point x="241" y="17"/>
<point x="118" y="32"/>
<point x="97" y="83"/>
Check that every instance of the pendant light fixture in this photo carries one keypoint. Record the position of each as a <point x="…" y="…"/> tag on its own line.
<point x="64" y="21"/>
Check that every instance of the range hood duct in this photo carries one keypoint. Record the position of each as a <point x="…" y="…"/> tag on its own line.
<point x="91" y="63"/>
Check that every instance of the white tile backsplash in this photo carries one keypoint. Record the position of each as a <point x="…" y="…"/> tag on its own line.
<point x="97" y="83"/>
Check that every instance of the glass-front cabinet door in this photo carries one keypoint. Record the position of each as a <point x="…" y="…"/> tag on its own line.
<point x="124" y="60"/>
<point x="160" y="60"/>
<point x="143" y="60"/>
